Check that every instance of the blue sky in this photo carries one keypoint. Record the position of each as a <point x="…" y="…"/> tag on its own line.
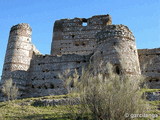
<point x="141" y="16"/>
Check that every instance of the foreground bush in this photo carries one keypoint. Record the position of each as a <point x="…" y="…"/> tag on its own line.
<point x="10" y="90"/>
<point x="106" y="96"/>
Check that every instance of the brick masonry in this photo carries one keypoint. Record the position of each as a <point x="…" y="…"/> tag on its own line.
<point x="76" y="43"/>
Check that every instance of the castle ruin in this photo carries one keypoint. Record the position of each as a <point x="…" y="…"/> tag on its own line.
<point x="76" y="43"/>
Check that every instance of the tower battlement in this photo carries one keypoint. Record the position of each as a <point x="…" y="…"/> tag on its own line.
<point x="21" y="26"/>
<point x="113" y="31"/>
<point x="21" y="29"/>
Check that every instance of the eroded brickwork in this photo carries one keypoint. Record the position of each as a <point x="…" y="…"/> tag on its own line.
<point x="150" y="66"/>
<point x="18" y="55"/>
<point x="45" y="72"/>
<point x="116" y="44"/>
<point x="75" y="46"/>
<point x="72" y="36"/>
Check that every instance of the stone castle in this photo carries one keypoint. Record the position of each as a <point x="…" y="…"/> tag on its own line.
<point x="76" y="43"/>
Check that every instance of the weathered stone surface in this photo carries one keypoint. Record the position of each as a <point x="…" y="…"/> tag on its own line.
<point x="18" y="55"/>
<point x="153" y="96"/>
<point x="75" y="46"/>
<point x="54" y="102"/>
<point x="116" y="44"/>
<point x="71" y="36"/>
<point x="150" y="66"/>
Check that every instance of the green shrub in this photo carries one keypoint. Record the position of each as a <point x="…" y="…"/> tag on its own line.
<point x="10" y="90"/>
<point x="106" y="96"/>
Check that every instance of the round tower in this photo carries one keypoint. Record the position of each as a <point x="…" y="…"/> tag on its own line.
<point x="116" y="44"/>
<point x="18" y="53"/>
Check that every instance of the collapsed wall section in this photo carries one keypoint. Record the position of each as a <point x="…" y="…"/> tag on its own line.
<point x="77" y="35"/>
<point x="150" y="66"/>
<point x="45" y="70"/>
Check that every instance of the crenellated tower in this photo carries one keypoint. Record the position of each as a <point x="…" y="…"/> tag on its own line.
<point x="18" y="54"/>
<point x="116" y="44"/>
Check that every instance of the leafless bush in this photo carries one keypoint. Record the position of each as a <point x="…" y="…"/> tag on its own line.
<point x="10" y="90"/>
<point x="106" y="96"/>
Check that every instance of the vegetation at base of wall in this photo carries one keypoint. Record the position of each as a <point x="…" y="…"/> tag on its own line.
<point x="106" y="95"/>
<point x="99" y="95"/>
<point x="150" y="90"/>
<point x="24" y="110"/>
<point x="10" y="90"/>
<point x="19" y="110"/>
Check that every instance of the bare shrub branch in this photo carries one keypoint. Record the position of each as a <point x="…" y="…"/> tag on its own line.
<point x="10" y="90"/>
<point x="107" y="96"/>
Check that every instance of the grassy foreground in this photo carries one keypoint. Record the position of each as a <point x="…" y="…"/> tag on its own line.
<point x="24" y="110"/>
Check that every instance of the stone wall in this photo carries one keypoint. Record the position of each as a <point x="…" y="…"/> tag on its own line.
<point x="116" y="44"/>
<point x="150" y="66"/>
<point x="45" y="70"/>
<point x="72" y="36"/>
<point x="18" y="55"/>
<point x="74" y="46"/>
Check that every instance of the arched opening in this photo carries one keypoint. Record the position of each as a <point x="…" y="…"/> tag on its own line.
<point x="114" y="43"/>
<point x="73" y="36"/>
<point x="83" y="44"/>
<point x="32" y="86"/>
<point x="84" y="22"/>
<point x="78" y="62"/>
<point x="22" y="95"/>
<point x="150" y="80"/>
<point x="157" y="80"/>
<point x="39" y="87"/>
<point x="76" y="44"/>
<point x="52" y="86"/>
<point x="117" y="70"/>
<point x="72" y="85"/>
<point x="84" y="61"/>
<point x="45" y="87"/>
<point x="55" y="77"/>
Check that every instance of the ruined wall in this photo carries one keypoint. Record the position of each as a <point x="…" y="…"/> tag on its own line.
<point x="45" y="70"/>
<point x="150" y="66"/>
<point x="116" y="44"/>
<point x="74" y="46"/>
<point x="72" y="36"/>
<point x="18" y="55"/>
